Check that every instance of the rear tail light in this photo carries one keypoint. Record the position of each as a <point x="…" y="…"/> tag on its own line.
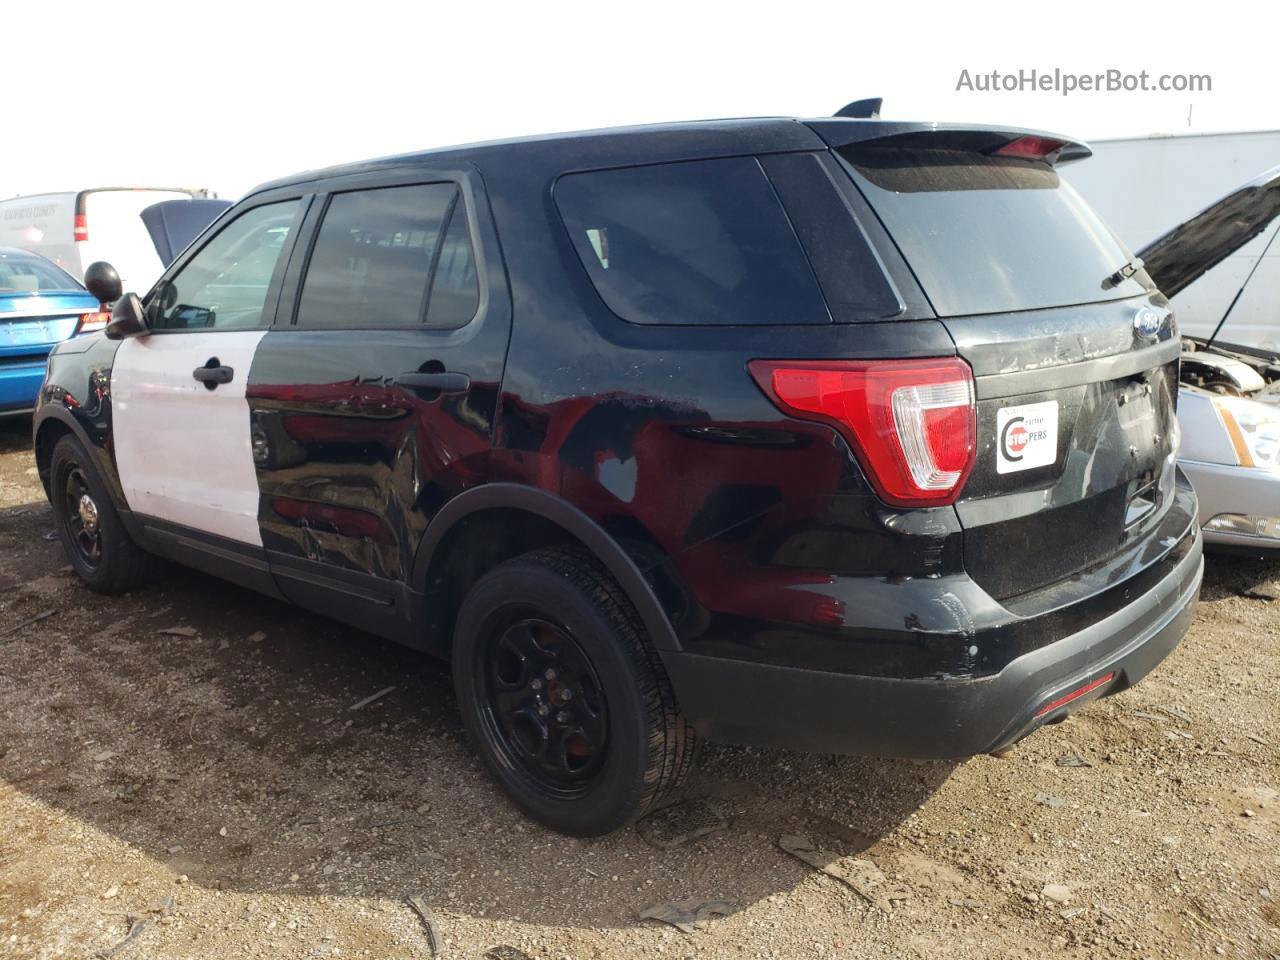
<point x="911" y="423"/>
<point x="81" y="227"/>
<point x="92" y="322"/>
<point x="1031" y="147"/>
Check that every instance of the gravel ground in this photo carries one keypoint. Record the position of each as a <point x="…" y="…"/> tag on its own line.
<point x="210" y="791"/>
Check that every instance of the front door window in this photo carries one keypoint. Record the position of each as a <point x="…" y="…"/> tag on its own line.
<point x="224" y="286"/>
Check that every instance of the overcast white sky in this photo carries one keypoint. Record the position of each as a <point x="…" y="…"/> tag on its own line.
<point x="229" y="94"/>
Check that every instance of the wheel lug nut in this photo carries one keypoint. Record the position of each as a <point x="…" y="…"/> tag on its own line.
<point x="536" y="685"/>
<point x="550" y="674"/>
<point x="566" y="694"/>
<point x="562" y="716"/>
<point x="543" y="710"/>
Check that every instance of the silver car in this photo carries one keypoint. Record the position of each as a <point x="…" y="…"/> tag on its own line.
<point x="1229" y="401"/>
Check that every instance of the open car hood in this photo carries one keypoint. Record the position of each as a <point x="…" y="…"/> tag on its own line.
<point x="175" y="223"/>
<point x="1192" y="249"/>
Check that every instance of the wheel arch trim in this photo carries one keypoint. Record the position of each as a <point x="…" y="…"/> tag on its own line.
<point x="55" y="414"/>
<point x="515" y="496"/>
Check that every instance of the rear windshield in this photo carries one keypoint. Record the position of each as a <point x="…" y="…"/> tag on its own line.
<point x="990" y="234"/>
<point x="699" y="242"/>
<point x="23" y="273"/>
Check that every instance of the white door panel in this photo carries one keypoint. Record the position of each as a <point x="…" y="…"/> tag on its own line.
<point x="183" y="450"/>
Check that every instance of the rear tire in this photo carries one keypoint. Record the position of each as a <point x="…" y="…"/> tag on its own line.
<point x="564" y="697"/>
<point x="93" y="536"/>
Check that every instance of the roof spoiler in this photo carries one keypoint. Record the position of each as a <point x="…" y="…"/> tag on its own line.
<point x="1052" y="148"/>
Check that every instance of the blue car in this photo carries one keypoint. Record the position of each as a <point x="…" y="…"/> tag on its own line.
<point x="40" y="306"/>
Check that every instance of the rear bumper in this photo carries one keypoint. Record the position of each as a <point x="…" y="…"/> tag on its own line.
<point x="20" y="383"/>
<point x="766" y="704"/>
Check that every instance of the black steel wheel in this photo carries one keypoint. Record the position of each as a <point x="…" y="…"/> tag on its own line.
<point x="564" y="696"/>
<point x="80" y="519"/>
<point x="92" y="534"/>
<point x="544" y="706"/>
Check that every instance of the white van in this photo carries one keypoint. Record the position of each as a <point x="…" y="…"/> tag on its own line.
<point x="76" y="228"/>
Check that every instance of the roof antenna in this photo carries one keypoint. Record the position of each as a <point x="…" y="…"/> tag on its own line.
<point x="868" y="109"/>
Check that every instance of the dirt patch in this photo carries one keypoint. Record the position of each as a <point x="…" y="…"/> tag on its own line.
<point x="226" y="770"/>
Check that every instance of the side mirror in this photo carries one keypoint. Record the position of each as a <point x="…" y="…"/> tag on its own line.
<point x="103" y="282"/>
<point x="127" y="318"/>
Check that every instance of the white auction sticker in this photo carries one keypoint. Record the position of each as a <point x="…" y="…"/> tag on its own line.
<point x="1026" y="436"/>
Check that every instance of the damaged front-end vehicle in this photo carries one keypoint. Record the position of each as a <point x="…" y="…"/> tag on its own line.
<point x="1229" y="396"/>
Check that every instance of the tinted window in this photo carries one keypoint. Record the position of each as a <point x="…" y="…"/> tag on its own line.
<point x="852" y="278"/>
<point x="703" y="242"/>
<point x="990" y="234"/>
<point x="455" y="291"/>
<point x="224" y="286"/>
<point x="373" y="258"/>
<point x="24" y="273"/>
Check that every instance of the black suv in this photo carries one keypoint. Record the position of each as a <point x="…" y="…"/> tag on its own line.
<point x="842" y="434"/>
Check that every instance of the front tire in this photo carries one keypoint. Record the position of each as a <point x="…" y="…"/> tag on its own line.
<point x="564" y="697"/>
<point x="93" y="536"/>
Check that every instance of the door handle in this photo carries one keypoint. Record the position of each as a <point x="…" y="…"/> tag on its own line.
<point x="441" y="381"/>
<point x="213" y="373"/>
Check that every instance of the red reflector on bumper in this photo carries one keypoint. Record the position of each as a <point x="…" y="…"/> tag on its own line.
<point x="1075" y="694"/>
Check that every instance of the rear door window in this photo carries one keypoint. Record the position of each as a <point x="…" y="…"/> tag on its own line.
<point x="455" y="289"/>
<point x="699" y="242"/>
<point x="987" y="234"/>
<point x="376" y="254"/>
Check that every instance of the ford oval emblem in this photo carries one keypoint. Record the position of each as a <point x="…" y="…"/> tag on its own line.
<point x="1147" y="322"/>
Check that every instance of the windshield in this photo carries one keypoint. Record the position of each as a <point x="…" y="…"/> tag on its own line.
<point x="25" y="273"/>
<point x="990" y="234"/>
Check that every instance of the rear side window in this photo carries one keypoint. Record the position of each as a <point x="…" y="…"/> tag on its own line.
<point x="852" y="278"/>
<point x="375" y="256"/>
<point x="988" y="234"/>
<point x="700" y="242"/>
<point x="23" y="273"/>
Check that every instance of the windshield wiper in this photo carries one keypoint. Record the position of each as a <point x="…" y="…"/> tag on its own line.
<point x="1123" y="274"/>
